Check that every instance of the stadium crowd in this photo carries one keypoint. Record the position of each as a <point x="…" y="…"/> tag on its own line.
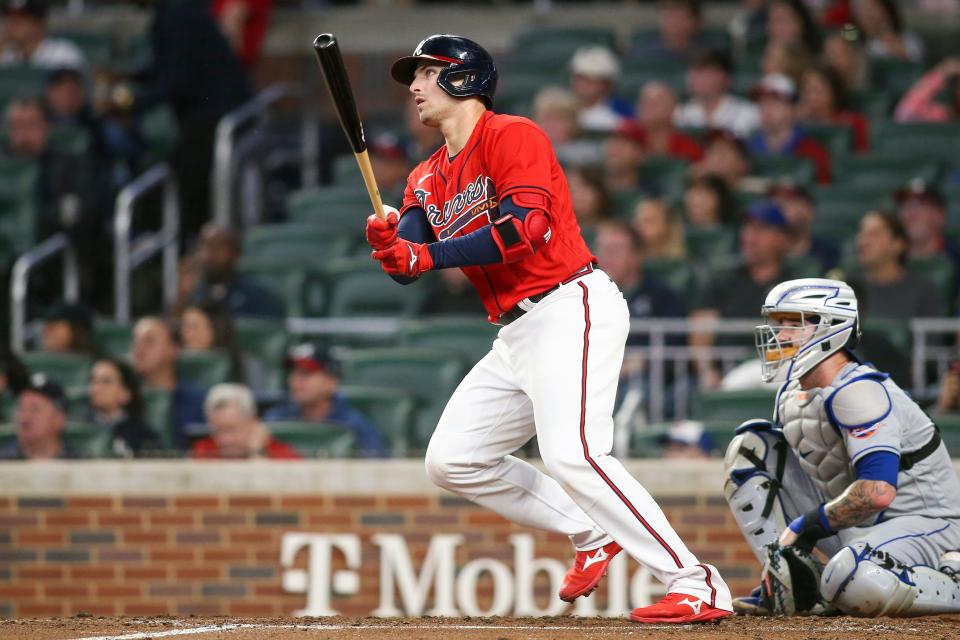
<point x="705" y="165"/>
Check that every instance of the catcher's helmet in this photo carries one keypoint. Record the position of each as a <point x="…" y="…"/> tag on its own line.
<point x="467" y="61"/>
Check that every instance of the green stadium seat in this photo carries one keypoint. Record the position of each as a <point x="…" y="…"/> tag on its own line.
<point x="430" y="375"/>
<point x="158" y="412"/>
<point x="264" y="343"/>
<point x="718" y="409"/>
<point x="558" y="44"/>
<point x="69" y="369"/>
<point x="895" y="75"/>
<point x="875" y="103"/>
<point x="303" y="243"/>
<point x="883" y="171"/>
<point x="938" y="270"/>
<point x="360" y="288"/>
<point x="915" y="140"/>
<point x="669" y="174"/>
<point x="469" y="338"/>
<point x="160" y="132"/>
<point x="113" y="338"/>
<point x="315" y="439"/>
<point x="837" y="138"/>
<point x="390" y="410"/>
<point x="22" y="80"/>
<point x="203" y="369"/>
<point x="336" y="209"/>
<point x="648" y="443"/>
<point x="302" y="290"/>
<point x="88" y="440"/>
<point x="96" y="47"/>
<point x="796" y="170"/>
<point x="18" y="204"/>
<point x="675" y="273"/>
<point x="710" y="245"/>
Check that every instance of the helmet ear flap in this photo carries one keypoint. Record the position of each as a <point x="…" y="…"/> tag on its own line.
<point x="854" y="340"/>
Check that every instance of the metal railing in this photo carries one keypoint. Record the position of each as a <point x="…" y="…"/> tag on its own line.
<point x="231" y="149"/>
<point x="20" y="279"/>
<point x="131" y="253"/>
<point x="931" y="337"/>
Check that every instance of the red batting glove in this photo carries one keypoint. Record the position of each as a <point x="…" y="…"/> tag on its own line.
<point x="381" y="233"/>
<point x="404" y="258"/>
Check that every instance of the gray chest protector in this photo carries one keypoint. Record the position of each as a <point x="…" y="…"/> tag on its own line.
<point x="818" y="445"/>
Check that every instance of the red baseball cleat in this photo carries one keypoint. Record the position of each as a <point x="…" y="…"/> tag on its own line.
<point x="678" y="608"/>
<point x="588" y="567"/>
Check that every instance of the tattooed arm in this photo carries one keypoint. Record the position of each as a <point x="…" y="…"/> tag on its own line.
<point x="861" y="500"/>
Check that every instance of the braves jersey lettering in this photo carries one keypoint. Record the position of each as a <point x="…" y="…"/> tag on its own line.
<point x="504" y="155"/>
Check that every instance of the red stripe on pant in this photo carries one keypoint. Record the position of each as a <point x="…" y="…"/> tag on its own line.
<point x="583" y="435"/>
<point x="713" y="590"/>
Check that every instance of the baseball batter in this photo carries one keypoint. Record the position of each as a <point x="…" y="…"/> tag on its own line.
<point x="494" y="202"/>
<point x="849" y="465"/>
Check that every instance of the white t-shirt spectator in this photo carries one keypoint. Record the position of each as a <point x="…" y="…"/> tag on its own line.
<point x="733" y="114"/>
<point x="52" y="53"/>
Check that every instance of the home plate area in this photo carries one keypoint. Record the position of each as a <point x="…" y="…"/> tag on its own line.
<point x="223" y="628"/>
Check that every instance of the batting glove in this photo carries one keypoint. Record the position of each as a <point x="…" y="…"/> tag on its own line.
<point x="404" y="258"/>
<point x="382" y="232"/>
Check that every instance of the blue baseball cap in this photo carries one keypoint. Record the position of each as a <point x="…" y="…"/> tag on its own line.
<point x="768" y="213"/>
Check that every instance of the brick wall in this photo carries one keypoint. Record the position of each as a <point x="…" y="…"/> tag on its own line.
<point x="220" y="554"/>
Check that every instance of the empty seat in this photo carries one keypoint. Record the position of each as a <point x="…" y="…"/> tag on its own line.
<point x="264" y="344"/>
<point x="725" y="408"/>
<point x="340" y="210"/>
<point x="472" y="339"/>
<point x="315" y="439"/>
<point x="916" y="140"/>
<point x="295" y="242"/>
<point x="360" y="288"/>
<point x="301" y="289"/>
<point x="558" y="44"/>
<point x="203" y="369"/>
<point x="883" y="171"/>
<point x="390" y="410"/>
<point x="712" y="246"/>
<point x="113" y="338"/>
<point x="69" y="369"/>
<point x="430" y="375"/>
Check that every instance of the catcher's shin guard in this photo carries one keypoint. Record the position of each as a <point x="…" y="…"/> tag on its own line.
<point x="862" y="581"/>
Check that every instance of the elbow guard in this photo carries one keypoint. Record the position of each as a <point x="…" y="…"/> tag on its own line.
<point x="518" y="238"/>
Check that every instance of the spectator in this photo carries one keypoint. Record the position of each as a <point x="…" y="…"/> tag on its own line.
<point x="68" y="328"/>
<point x="40" y="420"/>
<point x="14" y="377"/>
<point x="235" y="430"/>
<point x="623" y="156"/>
<point x="883" y="30"/>
<point x="452" y="296"/>
<point x="206" y="326"/>
<point x="594" y="74"/>
<point x="887" y="289"/>
<point x="155" y="350"/>
<point x="654" y="128"/>
<point x="557" y="112"/>
<point x="791" y="60"/>
<point x="711" y="105"/>
<point x="244" y="23"/>
<point x="708" y="203"/>
<point x="680" y="32"/>
<point x="219" y="251"/>
<point x="923" y="213"/>
<point x="725" y="155"/>
<point x="116" y="403"/>
<point x="790" y="22"/>
<point x="844" y="53"/>
<point x="920" y="104"/>
<point x="733" y="293"/>
<point x="779" y="134"/>
<point x="25" y="41"/>
<point x="589" y="196"/>
<point x="799" y="208"/>
<point x="749" y="25"/>
<point x="660" y="229"/>
<point x="619" y="251"/>
<point x="391" y="166"/>
<point x="687" y="440"/>
<point x="314" y="380"/>
<point x="824" y="100"/>
<point x="66" y="188"/>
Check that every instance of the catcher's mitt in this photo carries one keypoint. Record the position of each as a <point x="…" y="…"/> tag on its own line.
<point x="790" y="581"/>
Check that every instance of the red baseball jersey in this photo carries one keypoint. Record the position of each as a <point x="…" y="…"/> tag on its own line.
<point x="504" y="155"/>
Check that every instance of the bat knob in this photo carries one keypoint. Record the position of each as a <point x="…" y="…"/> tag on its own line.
<point x="324" y="40"/>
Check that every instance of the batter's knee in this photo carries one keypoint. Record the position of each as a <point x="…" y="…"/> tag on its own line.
<point x="447" y="469"/>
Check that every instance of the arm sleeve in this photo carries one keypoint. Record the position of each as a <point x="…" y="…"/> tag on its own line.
<point x="921" y="98"/>
<point x="879" y="465"/>
<point x="864" y="413"/>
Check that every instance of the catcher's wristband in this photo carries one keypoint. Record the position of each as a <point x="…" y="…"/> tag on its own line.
<point x="811" y="527"/>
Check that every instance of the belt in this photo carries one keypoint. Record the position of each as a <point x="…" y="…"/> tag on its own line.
<point x="512" y="314"/>
<point x="907" y="460"/>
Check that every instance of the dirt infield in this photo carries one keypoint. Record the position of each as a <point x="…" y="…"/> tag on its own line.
<point x="223" y="628"/>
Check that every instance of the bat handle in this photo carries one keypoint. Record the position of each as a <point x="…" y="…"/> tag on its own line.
<point x="366" y="169"/>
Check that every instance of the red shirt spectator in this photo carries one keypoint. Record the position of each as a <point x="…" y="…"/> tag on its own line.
<point x="654" y="128"/>
<point x="207" y="449"/>
<point x="244" y="23"/>
<point x="921" y="104"/>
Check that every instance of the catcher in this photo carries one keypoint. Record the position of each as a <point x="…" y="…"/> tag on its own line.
<point x="850" y="471"/>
